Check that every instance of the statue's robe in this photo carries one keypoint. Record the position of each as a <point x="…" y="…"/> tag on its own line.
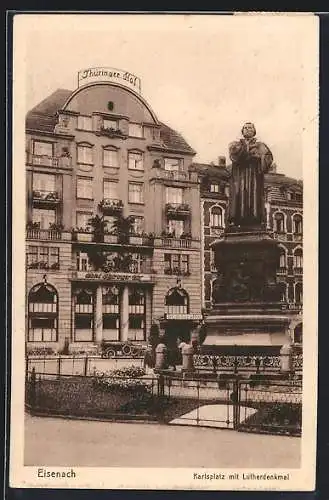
<point x="250" y="161"/>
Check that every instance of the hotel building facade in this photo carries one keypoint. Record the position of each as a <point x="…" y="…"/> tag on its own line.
<point x="113" y="219"/>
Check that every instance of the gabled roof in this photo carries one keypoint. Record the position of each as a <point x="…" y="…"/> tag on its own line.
<point x="43" y="117"/>
<point x="210" y="170"/>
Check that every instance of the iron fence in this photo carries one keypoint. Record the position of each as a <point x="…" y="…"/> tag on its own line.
<point x="261" y="405"/>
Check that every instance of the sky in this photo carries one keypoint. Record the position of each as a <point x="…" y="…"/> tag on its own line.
<point x="202" y="75"/>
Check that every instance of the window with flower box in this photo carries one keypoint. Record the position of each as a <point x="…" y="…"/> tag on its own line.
<point x="44" y="217"/>
<point x="43" y="257"/>
<point x="82" y="219"/>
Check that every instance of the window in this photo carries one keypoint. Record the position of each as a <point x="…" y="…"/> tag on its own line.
<point x="298" y="334"/>
<point x="43" y="257"/>
<point x="44" y="217"/>
<point x="110" y="190"/>
<point x="173" y="164"/>
<point x="175" y="227"/>
<point x="83" y="218"/>
<point x="110" y="157"/>
<point x="279" y="226"/>
<point x="83" y="317"/>
<point x="42" y="314"/>
<point x="297" y="224"/>
<point x="85" y="155"/>
<point x="43" y="148"/>
<point x="85" y="188"/>
<point x="135" y="130"/>
<point x="138" y="225"/>
<point x="283" y="292"/>
<point x="212" y="260"/>
<point x="85" y="123"/>
<point x="83" y="263"/>
<point x="136" y="314"/>
<point x="299" y="293"/>
<point x="282" y="259"/>
<point x="175" y="263"/>
<point x="177" y="301"/>
<point x="110" y="306"/>
<point x="43" y="182"/>
<point x="216" y="217"/>
<point x="135" y="192"/>
<point x="110" y="124"/>
<point x="298" y="259"/>
<point x="174" y="195"/>
<point x="135" y="161"/>
<point x="214" y="188"/>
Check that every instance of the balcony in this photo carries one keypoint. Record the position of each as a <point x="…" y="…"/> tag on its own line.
<point x="111" y="206"/>
<point x="49" y="161"/>
<point x="45" y="197"/>
<point x="177" y="210"/>
<point x="216" y="231"/>
<point x="282" y="271"/>
<point x="298" y="271"/>
<point x="159" y="173"/>
<point x="169" y="242"/>
<point x="280" y="236"/>
<point x="112" y="133"/>
<point x="297" y="237"/>
<point x="124" y="272"/>
<point x="36" y="233"/>
<point x="176" y="271"/>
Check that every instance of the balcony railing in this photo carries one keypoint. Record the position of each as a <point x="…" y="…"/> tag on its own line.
<point x="216" y="231"/>
<point x="45" y="196"/>
<point x="298" y="270"/>
<point x="282" y="271"/>
<point x="47" y="234"/>
<point x="112" y="133"/>
<point x="280" y="236"/>
<point x="177" y="209"/>
<point x="297" y="237"/>
<point x="176" y="243"/>
<point x="176" y="271"/>
<point x="173" y="175"/>
<point x="111" y="205"/>
<point x="295" y="306"/>
<point x="49" y="161"/>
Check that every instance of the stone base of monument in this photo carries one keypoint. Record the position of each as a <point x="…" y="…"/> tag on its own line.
<point x="246" y="295"/>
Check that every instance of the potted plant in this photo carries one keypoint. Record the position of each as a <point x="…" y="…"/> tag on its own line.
<point x="98" y="226"/>
<point x="123" y="227"/>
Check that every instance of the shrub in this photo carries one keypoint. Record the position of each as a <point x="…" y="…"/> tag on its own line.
<point x="124" y="379"/>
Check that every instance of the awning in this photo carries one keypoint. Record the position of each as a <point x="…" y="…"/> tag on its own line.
<point x="252" y="339"/>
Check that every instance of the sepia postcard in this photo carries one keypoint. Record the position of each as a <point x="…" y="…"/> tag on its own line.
<point x="164" y="331"/>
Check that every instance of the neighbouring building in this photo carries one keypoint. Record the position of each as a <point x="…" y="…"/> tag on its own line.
<point x="284" y="214"/>
<point x="113" y="219"/>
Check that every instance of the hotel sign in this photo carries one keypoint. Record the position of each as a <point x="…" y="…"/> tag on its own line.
<point x="112" y="75"/>
<point x="100" y="276"/>
<point x="195" y="317"/>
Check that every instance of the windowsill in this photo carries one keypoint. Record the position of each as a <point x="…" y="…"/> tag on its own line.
<point x="136" y="137"/>
<point x="136" y="169"/>
<point x="136" y="202"/>
<point x="89" y="199"/>
<point x="111" y="166"/>
<point x="84" y="130"/>
<point x="87" y="164"/>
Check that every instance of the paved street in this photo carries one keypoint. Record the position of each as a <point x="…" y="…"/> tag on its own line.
<point x="61" y="442"/>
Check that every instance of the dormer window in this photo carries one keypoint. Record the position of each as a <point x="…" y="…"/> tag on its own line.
<point x="85" y="123"/>
<point x="135" y="130"/>
<point x="173" y="164"/>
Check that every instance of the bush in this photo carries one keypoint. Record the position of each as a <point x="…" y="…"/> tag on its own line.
<point x="124" y="379"/>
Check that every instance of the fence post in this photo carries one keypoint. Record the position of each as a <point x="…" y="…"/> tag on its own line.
<point x="33" y="388"/>
<point x="59" y="367"/>
<point x="85" y="371"/>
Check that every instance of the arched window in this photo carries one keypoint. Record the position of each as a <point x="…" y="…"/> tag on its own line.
<point x="216" y="217"/>
<point x="83" y="309"/>
<point x="177" y="301"/>
<point x="278" y="222"/>
<point x="282" y="259"/>
<point x="298" y="260"/>
<point x="42" y="313"/>
<point x="297" y="224"/>
<point x="136" y="329"/>
<point x="299" y="293"/>
<point x="298" y="334"/>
